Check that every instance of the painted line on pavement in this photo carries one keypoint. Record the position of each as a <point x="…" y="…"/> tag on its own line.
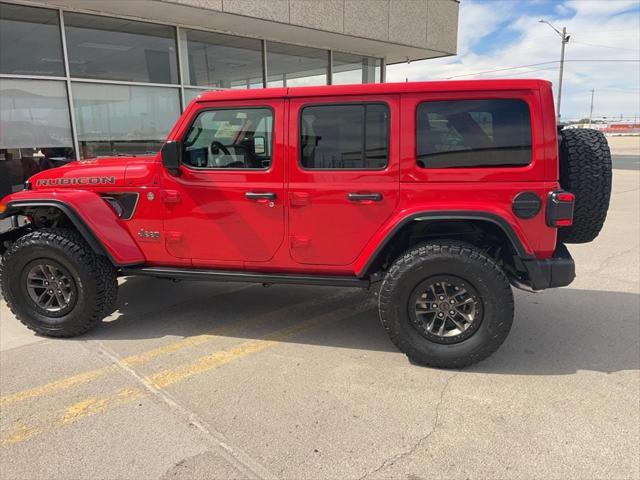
<point x="91" y="406"/>
<point x="139" y="358"/>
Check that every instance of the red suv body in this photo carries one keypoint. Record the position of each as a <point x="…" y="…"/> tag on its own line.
<point x="324" y="185"/>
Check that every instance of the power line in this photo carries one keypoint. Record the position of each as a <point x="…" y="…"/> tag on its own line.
<point x="606" y="46"/>
<point x="541" y="63"/>
<point x="504" y="69"/>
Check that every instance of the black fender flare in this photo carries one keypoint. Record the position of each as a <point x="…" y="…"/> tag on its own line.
<point x="449" y="215"/>
<point x="14" y="208"/>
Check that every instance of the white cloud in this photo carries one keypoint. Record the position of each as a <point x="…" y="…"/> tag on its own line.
<point x="600" y="30"/>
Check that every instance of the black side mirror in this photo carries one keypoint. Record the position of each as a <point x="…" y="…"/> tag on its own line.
<point x="171" y="153"/>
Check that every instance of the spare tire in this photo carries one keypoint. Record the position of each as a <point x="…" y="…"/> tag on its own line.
<point x="585" y="171"/>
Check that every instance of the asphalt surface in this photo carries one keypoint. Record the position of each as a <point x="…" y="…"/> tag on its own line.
<point x="196" y="380"/>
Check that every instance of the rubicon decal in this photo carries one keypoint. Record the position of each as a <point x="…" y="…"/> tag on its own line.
<point x="51" y="182"/>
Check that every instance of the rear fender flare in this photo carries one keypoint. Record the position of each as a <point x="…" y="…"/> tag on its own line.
<point x="494" y="219"/>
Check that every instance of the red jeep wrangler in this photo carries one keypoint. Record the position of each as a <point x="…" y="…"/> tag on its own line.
<point x="439" y="195"/>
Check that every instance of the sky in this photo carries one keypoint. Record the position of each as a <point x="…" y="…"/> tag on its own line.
<point x="603" y="52"/>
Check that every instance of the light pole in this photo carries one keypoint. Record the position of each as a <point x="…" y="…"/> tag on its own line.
<point x="565" y="39"/>
<point x="591" y="109"/>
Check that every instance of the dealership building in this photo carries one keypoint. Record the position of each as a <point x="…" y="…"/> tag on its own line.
<point x="86" y="78"/>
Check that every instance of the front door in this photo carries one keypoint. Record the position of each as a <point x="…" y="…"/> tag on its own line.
<point x="344" y="180"/>
<point x="227" y="204"/>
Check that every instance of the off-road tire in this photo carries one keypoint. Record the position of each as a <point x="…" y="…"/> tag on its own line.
<point x="456" y="259"/>
<point x="94" y="277"/>
<point x="585" y="171"/>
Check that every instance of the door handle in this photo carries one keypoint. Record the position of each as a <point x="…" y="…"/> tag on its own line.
<point x="260" y="196"/>
<point x="364" y="197"/>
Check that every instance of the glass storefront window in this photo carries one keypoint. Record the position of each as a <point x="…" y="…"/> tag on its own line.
<point x="35" y="131"/>
<point x="348" y="68"/>
<point x="30" y="42"/>
<point x="120" y="49"/>
<point x="291" y="65"/>
<point x="123" y="119"/>
<point x="221" y="61"/>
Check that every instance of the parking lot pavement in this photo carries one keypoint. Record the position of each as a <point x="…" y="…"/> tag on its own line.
<point x="195" y="380"/>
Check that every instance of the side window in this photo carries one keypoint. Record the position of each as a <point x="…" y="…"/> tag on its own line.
<point x="350" y="136"/>
<point x="230" y="138"/>
<point x="473" y="133"/>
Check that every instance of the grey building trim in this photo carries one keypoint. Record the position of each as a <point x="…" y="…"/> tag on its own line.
<point x="274" y="28"/>
<point x="265" y="74"/>
<point x="67" y="72"/>
<point x="180" y="71"/>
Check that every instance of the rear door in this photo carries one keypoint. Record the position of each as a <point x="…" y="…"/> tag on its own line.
<point x="344" y="175"/>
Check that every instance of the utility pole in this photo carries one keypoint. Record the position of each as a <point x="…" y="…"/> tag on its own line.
<point x="591" y="109"/>
<point x="564" y="39"/>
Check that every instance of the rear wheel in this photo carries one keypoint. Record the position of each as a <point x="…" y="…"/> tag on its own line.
<point x="446" y="304"/>
<point x="55" y="284"/>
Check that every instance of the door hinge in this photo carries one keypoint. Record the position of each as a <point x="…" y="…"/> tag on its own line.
<point x="299" y="199"/>
<point x="299" y="241"/>
<point x="170" y="196"/>
<point x="173" y="237"/>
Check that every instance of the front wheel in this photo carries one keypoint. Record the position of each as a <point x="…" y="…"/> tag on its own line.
<point x="55" y="284"/>
<point x="446" y="304"/>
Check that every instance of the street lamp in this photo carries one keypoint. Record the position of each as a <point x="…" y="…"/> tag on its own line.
<point x="565" y="39"/>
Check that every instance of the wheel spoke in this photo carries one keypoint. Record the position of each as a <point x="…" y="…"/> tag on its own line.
<point x="49" y="301"/>
<point x="464" y="302"/>
<point x="433" y="290"/>
<point x="60" y="299"/>
<point x="460" y="292"/>
<point x="430" y="325"/>
<point x="460" y="326"/>
<point x="441" y="329"/>
<point x="467" y="317"/>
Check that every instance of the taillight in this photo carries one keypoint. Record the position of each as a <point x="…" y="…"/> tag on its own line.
<point x="560" y="209"/>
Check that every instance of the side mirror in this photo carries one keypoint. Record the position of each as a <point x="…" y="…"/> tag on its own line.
<point x="260" y="145"/>
<point x="171" y="153"/>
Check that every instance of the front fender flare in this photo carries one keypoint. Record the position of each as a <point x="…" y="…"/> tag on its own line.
<point x="92" y="218"/>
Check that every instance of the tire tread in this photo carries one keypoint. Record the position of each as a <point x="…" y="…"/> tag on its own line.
<point x="417" y="255"/>
<point x="73" y="245"/>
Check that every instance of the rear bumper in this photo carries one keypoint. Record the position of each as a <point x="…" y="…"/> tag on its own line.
<point x="557" y="271"/>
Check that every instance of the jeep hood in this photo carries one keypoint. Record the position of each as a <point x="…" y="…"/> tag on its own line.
<point x="98" y="172"/>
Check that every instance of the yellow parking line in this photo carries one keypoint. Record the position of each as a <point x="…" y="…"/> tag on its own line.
<point x="217" y="359"/>
<point x="136" y="359"/>
<point x="95" y="405"/>
<point x="72" y="413"/>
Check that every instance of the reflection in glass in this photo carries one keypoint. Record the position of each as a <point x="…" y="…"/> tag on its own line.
<point x="291" y="65"/>
<point x="348" y="68"/>
<point x="30" y="42"/>
<point x="122" y="119"/>
<point x="344" y="136"/>
<point x="473" y="133"/>
<point x="120" y="49"/>
<point x="221" y="61"/>
<point x="230" y="138"/>
<point x="35" y="132"/>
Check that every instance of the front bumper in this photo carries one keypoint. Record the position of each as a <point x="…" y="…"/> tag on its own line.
<point x="557" y="271"/>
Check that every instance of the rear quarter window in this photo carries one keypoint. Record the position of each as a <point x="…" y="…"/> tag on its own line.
<point x="473" y="133"/>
